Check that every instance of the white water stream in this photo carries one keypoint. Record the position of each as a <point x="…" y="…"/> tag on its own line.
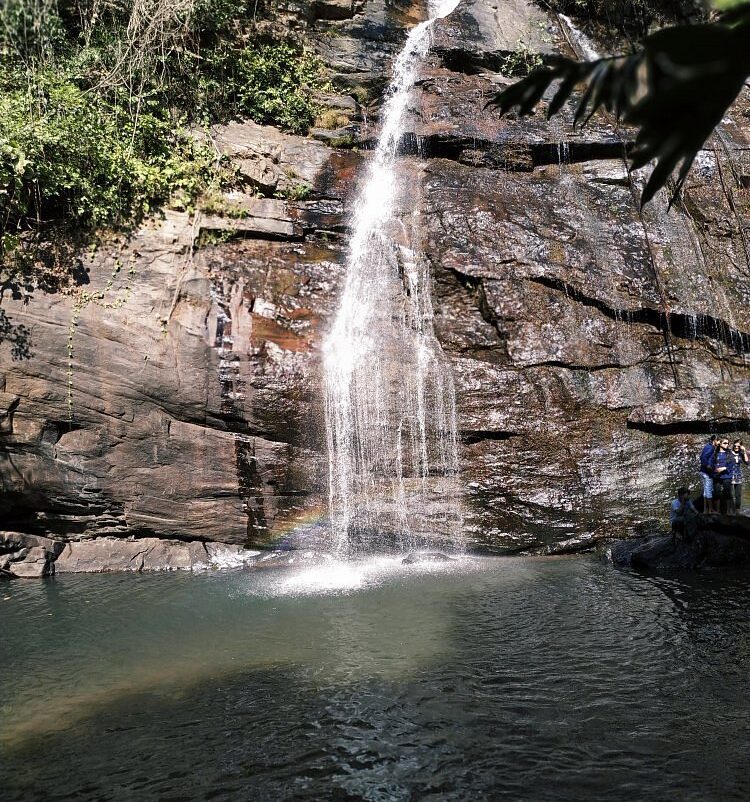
<point x="579" y="40"/>
<point x="390" y="400"/>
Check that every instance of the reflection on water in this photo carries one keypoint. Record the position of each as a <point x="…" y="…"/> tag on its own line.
<point x="486" y="679"/>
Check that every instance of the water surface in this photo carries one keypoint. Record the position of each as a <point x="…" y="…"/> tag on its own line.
<point x="538" y="679"/>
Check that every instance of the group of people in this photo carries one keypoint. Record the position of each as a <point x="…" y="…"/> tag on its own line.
<point x="721" y="477"/>
<point x="721" y="474"/>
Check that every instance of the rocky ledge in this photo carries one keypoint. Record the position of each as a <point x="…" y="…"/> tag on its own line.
<point x="27" y="556"/>
<point x="720" y="541"/>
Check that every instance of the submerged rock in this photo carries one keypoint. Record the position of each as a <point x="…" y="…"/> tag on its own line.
<point x="420" y="557"/>
<point x="285" y="559"/>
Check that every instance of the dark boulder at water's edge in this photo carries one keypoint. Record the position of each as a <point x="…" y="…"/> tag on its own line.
<point x="593" y="346"/>
<point x="721" y="541"/>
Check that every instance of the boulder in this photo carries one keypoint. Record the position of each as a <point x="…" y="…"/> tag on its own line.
<point x="10" y="557"/>
<point x="660" y="554"/>
<point x="18" y="540"/>
<point x="36" y="562"/>
<point x="103" y="555"/>
<point x="481" y="34"/>
<point x="270" y="160"/>
<point x="267" y="218"/>
<point x="721" y="541"/>
<point x="333" y="9"/>
<point x="221" y="555"/>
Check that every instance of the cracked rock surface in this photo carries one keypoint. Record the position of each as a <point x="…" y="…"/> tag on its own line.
<point x="593" y="345"/>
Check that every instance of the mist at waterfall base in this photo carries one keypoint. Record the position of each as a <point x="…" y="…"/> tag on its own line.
<point x="389" y="395"/>
<point x="521" y="679"/>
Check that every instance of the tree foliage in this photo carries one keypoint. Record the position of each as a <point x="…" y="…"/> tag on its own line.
<point x="674" y="90"/>
<point x="98" y="99"/>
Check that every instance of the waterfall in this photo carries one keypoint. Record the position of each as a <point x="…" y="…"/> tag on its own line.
<point x="389" y="395"/>
<point x="579" y="41"/>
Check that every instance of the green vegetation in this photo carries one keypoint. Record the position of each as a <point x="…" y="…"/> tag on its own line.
<point x="268" y="83"/>
<point x="520" y="62"/>
<point x="675" y="90"/>
<point x="331" y="119"/>
<point x="64" y="157"/>
<point x="99" y="100"/>
<point x="297" y="192"/>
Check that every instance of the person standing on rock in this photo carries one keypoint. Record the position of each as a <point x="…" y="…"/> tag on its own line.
<point x="739" y="456"/>
<point x="723" y="465"/>
<point x="682" y="516"/>
<point x="707" y="473"/>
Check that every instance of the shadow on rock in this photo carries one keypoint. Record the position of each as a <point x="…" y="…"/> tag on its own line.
<point x="19" y="337"/>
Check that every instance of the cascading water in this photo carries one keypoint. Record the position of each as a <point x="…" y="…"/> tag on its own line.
<point x="390" y="400"/>
<point x="580" y="42"/>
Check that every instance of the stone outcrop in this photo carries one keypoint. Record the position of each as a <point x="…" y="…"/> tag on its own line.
<point x="593" y="344"/>
<point x="149" y="554"/>
<point x="721" y="541"/>
<point x="27" y="556"/>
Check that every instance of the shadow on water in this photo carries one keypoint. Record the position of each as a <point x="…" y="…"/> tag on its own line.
<point x="540" y="679"/>
<point x="174" y="633"/>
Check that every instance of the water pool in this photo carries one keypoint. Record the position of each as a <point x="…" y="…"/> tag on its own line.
<point x="494" y="679"/>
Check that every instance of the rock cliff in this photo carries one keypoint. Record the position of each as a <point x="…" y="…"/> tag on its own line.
<point x="177" y="393"/>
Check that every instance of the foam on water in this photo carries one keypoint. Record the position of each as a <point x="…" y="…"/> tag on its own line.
<point x="332" y="576"/>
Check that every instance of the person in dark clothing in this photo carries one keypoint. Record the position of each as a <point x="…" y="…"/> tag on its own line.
<point x="707" y="473"/>
<point x="723" y="465"/>
<point x="739" y="456"/>
<point x="682" y="516"/>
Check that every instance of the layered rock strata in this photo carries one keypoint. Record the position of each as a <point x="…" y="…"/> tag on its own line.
<point x="178" y="393"/>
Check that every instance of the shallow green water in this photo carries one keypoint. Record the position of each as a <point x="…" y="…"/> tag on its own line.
<point x="497" y="679"/>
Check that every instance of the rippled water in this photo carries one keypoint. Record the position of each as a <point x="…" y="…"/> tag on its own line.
<point x="533" y="679"/>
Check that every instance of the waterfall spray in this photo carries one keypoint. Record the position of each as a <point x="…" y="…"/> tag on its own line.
<point x="389" y="395"/>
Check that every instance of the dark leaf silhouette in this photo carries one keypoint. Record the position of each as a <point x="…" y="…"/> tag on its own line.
<point x="674" y="91"/>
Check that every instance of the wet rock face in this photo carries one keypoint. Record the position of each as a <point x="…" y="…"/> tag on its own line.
<point x="593" y="345"/>
<point x="187" y="402"/>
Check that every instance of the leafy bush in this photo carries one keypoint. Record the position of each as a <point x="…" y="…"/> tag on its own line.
<point x="96" y="100"/>
<point x="71" y="162"/>
<point x="520" y="62"/>
<point x="269" y="82"/>
<point x="65" y="155"/>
